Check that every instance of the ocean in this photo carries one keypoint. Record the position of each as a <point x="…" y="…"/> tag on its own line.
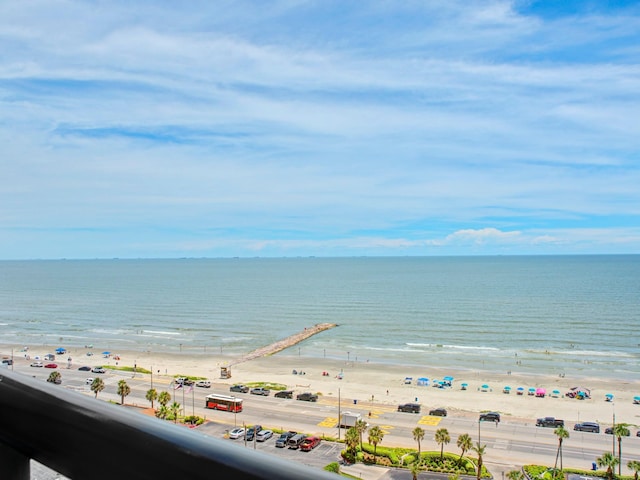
<point x="573" y="315"/>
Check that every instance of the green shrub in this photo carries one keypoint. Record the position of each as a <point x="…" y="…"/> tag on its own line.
<point x="333" y="467"/>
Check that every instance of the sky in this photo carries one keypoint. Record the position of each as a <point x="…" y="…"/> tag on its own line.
<point x="163" y="129"/>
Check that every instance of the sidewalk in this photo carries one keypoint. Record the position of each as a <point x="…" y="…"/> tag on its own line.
<point x="367" y="472"/>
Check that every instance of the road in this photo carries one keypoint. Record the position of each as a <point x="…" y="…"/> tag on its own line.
<point x="510" y="444"/>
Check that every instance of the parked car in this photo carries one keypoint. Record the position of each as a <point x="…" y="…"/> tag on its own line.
<point x="409" y="407"/>
<point x="438" y="412"/>
<point x="295" y="441"/>
<point x="307" y="397"/>
<point x="587" y="427"/>
<point x="609" y="431"/>
<point x="203" y="384"/>
<point x="88" y="381"/>
<point x="490" y="417"/>
<point x="239" y="388"/>
<point x="284" y="394"/>
<point x="37" y="364"/>
<point x="284" y="437"/>
<point x="98" y="370"/>
<point x="260" y="391"/>
<point x="309" y="444"/>
<point x="236" y="433"/>
<point x="251" y="432"/>
<point x="638" y="433"/>
<point x="264" y="435"/>
<point x="85" y="368"/>
<point x="7" y="361"/>
<point x="51" y="365"/>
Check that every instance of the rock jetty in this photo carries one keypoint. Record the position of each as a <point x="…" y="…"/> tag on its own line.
<point x="285" y="342"/>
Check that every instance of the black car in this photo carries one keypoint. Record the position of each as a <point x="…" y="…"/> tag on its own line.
<point x="284" y="437"/>
<point x="239" y="388"/>
<point x="409" y="407"/>
<point x="85" y="369"/>
<point x="284" y="394"/>
<point x="609" y="431"/>
<point x="490" y="417"/>
<point x="587" y="427"/>
<point x="307" y="397"/>
<point x="251" y="432"/>
<point x="438" y="412"/>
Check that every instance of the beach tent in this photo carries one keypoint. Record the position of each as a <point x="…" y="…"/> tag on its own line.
<point x="447" y="381"/>
<point x="541" y="392"/>
<point x="422" y="382"/>
<point x="506" y="389"/>
<point x="520" y="390"/>
<point x="532" y="391"/>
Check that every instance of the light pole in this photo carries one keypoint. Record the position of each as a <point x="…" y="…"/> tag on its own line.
<point x="151" y="377"/>
<point x="338" y="413"/>
<point x="348" y="353"/>
<point x="613" y="431"/>
<point x="235" y="412"/>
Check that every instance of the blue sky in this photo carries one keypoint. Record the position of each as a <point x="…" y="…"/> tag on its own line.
<point x="162" y="129"/>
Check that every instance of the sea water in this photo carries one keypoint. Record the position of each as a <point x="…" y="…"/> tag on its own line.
<point x="574" y="315"/>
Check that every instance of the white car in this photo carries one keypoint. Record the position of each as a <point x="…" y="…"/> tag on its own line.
<point x="88" y="381"/>
<point x="203" y="383"/>
<point x="264" y="435"/>
<point x="37" y="364"/>
<point x="98" y="370"/>
<point x="236" y="433"/>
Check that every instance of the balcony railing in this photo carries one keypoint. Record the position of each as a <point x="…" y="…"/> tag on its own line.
<point x="82" y="438"/>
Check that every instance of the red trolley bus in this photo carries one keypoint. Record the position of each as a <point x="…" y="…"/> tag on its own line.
<point x="218" y="401"/>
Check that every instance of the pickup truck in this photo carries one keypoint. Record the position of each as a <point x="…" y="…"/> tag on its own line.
<point x="260" y="391"/>
<point x="549" y="422"/>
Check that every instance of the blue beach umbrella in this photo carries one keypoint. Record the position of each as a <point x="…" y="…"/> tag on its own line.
<point x="636" y="399"/>
<point x="464" y="386"/>
<point x="60" y="350"/>
<point x="106" y="353"/>
<point x="532" y="391"/>
<point x="520" y="389"/>
<point x="608" y="397"/>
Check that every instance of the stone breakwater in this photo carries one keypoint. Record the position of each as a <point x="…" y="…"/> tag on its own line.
<point x="285" y="342"/>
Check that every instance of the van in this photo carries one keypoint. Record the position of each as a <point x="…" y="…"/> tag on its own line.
<point x="295" y="441"/>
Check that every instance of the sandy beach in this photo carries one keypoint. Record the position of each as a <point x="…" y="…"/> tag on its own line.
<point x="374" y="384"/>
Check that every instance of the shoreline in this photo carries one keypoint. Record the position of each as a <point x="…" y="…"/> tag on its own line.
<point x="383" y="385"/>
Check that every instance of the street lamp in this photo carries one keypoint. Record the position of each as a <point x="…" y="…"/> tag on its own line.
<point x="348" y="356"/>
<point x="339" y="413"/>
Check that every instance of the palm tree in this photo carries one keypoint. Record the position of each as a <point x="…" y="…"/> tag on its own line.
<point x="152" y="395"/>
<point x="55" y="377"/>
<point x="175" y="408"/>
<point x="164" y="398"/>
<point x="464" y="443"/>
<point x="361" y="427"/>
<point x="561" y="433"/>
<point x="418" y="436"/>
<point x="620" y="430"/>
<point x="375" y="437"/>
<point x="97" y="386"/>
<point x="479" y="449"/>
<point x="442" y="439"/>
<point x="608" y="460"/>
<point x="162" y="412"/>
<point x="351" y="439"/>
<point x="123" y="390"/>
<point x="414" y="468"/>
<point x="635" y="466"/>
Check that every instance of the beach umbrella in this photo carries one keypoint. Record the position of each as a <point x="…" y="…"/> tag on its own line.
<point x="520" y="389"/>
<point x="464" y="386"/>
<point x="485" y="387"/>
<point x="106" y="353"/>
<point x="636" y="399"/>
<point x="532" y="391"/>
<point x="448" y="379"/>
<point x="60" y="350"/>
<point x="556" y="392"/>
<point x="608" y="397"/>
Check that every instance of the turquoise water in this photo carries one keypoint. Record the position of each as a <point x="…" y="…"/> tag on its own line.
<point x="578" y="315"/>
